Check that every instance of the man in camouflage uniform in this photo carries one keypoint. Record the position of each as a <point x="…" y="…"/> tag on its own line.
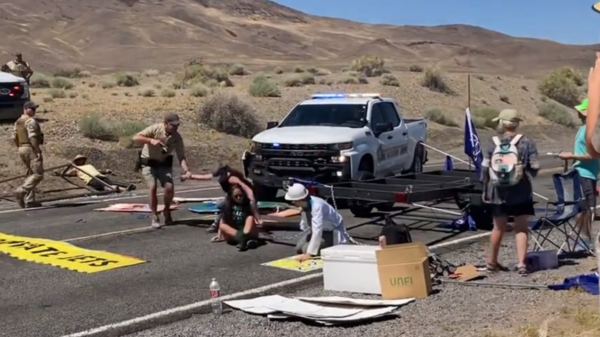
<point x="19" y="67"/>
<point x="28" y="137"/>
<point x="156" y="158"/>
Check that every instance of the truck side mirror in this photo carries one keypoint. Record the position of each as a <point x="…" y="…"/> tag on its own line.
<point x="271" y="125"/>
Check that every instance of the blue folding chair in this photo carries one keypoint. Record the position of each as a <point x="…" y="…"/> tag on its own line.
<point x="560" y="216"/>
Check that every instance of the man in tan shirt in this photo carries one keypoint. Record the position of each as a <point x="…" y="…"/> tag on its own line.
<point x="160" y="141"/>
<point x="20" y="67"/>
<point x="28" y="138"/>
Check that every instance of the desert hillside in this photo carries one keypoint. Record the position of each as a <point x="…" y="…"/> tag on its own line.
<point x="106" y="70"/>
<point x="128" y="34"/>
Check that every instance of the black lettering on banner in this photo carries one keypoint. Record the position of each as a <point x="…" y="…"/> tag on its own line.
<point x="91" y="261"/>
<point x="48" y="251"/>
<point x="31" y="245"/>
<point x="103" y="263"/>
<point x="15" y="243"/>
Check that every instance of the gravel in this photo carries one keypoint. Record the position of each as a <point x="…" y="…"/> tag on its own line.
<point x="468" y="310"/>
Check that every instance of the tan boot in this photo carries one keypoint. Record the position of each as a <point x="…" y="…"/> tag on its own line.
<point x="20" y="198"/>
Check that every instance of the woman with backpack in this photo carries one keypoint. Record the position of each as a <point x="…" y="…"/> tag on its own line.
<point x="510" y="162"/>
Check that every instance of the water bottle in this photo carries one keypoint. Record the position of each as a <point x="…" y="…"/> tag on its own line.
<point x="215" y="297"/>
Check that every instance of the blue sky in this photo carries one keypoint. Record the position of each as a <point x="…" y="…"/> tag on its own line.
<point x="566" y="21"/>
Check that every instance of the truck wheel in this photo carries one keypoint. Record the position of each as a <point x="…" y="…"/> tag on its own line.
<point x="265" y="193"/>
<point x="361" y="208"/>
<point x="417" y="164"/>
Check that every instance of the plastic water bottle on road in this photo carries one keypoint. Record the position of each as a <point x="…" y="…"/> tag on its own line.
<point x="215" y="297"/>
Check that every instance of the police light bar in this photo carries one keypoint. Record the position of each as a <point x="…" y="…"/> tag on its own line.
<point x="340" y="95"/>
<point x="365" y="95"/>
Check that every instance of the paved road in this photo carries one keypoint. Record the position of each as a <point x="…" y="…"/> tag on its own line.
<point x="40" y="300"/>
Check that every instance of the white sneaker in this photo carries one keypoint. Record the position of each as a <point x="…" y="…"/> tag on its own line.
<point x="156" y="223"/>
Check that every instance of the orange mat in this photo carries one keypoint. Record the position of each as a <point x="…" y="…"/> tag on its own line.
<point x="132" y="208"/>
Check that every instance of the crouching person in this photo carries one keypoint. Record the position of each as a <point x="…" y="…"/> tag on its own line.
<point x="238" y="225"/>
<point x="326" y="224"/>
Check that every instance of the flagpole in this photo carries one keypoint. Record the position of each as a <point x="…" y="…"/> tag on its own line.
<point x="469" y="107"/>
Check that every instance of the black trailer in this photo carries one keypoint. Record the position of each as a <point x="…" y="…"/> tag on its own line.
<point x="460" y="186"/>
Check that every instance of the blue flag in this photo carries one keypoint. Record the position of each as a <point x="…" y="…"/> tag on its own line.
<point x="448" y="165"/>
<point x="472" y="145"/>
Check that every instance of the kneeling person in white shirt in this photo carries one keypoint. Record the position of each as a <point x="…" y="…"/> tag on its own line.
<point x="326" y="224"/>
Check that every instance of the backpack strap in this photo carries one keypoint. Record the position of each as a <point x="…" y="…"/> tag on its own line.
<point x="516" y="139"/>
<point x="496" y="141"/>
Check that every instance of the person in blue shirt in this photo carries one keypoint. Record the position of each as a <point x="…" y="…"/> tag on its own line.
<point x="588" y="169"/>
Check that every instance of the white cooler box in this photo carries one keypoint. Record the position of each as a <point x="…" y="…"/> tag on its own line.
<point x="351" y="268"/>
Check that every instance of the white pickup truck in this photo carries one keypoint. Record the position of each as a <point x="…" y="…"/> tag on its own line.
<point x="336" y="137"/>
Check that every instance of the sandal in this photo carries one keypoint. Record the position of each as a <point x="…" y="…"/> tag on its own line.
<point x="495" y="267"/>
<point x="217" y="238"/>
<point x="522" y="270"/>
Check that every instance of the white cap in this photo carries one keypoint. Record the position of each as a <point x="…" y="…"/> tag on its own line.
<point x="296" y="192"/>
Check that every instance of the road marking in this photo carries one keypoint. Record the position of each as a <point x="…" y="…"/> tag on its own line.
<point x="97" y="236"/>
<point x="183" y="312"/>
<point x="110" y="199"/>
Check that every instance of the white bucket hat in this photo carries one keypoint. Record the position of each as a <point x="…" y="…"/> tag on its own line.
<point x="296" y="192"/>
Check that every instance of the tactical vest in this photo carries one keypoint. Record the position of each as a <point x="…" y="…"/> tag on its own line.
<point x="22" y="137"/>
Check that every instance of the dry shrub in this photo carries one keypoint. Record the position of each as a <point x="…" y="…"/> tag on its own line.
<point x="562" y="85"/>
<point x="389" y="80"/>
<point x="557" y="114"/>
<point x="434" y="81"/>
<point x="439" y="117"/>
<point x="92" y="126"/>
<point x="263" y="87"/>
<point x="370" y="66"/>
<point x="228" y="113"/>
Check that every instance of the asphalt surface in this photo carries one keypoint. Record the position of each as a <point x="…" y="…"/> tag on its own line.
<point x="40" y="300"/>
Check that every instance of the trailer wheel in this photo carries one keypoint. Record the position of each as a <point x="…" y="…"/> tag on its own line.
<point x="417" y="164"/>
<point x="359" y="208"/>
<point x="265" y="193"/>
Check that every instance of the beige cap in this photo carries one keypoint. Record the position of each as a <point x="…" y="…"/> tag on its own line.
<point x="510" y="115"/>
<point x="79" y="156"/>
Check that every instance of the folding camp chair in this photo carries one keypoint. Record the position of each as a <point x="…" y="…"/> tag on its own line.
<point x="560" y="216"/>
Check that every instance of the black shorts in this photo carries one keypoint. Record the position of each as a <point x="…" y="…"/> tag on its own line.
<point x="98" y="186"/>
<point x="588" y="189"/>
<point x="505" y="211"/>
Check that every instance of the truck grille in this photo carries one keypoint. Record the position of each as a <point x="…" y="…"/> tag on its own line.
<point x="289" y="163"/>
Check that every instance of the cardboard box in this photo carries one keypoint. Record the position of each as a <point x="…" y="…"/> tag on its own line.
<point x="404" y="271"/>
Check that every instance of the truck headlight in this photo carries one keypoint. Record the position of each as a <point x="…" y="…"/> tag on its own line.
<point x="339" y="159"/>
<point x="342" y="146"/>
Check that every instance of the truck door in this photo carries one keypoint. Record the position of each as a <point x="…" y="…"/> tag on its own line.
<point x="399" y="156"/>
<point x="382" y="163"/>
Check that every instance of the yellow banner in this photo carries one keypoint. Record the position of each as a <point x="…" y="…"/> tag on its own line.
<point x="62" y="255"/>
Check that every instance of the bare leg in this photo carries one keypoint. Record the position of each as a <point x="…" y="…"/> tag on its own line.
<point x="496" y="239"/>
<point x="154" y="207"/>
<point x="169" y="192"/>
<point x="521" y="236"/>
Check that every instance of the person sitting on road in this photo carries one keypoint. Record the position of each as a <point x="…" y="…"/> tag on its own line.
<point x="94" y="178"/>
<point x="588" y="169"/>
<point x="238" y="226"/>
<point x="326" y="224"/>
<point x="511" y="193"/>
<point x="227" y="177"/>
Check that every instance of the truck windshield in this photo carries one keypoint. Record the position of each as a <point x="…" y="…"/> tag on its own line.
<point x="340" y="115"/>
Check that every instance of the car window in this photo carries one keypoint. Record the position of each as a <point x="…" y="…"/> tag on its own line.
<point x="377" y="115"/>
<point x="390" y="113"/>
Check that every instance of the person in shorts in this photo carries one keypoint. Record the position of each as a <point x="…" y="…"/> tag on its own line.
<point x="588" y="169"/>
<point x="160" y="141"/>
<point x="512" y="201"/>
